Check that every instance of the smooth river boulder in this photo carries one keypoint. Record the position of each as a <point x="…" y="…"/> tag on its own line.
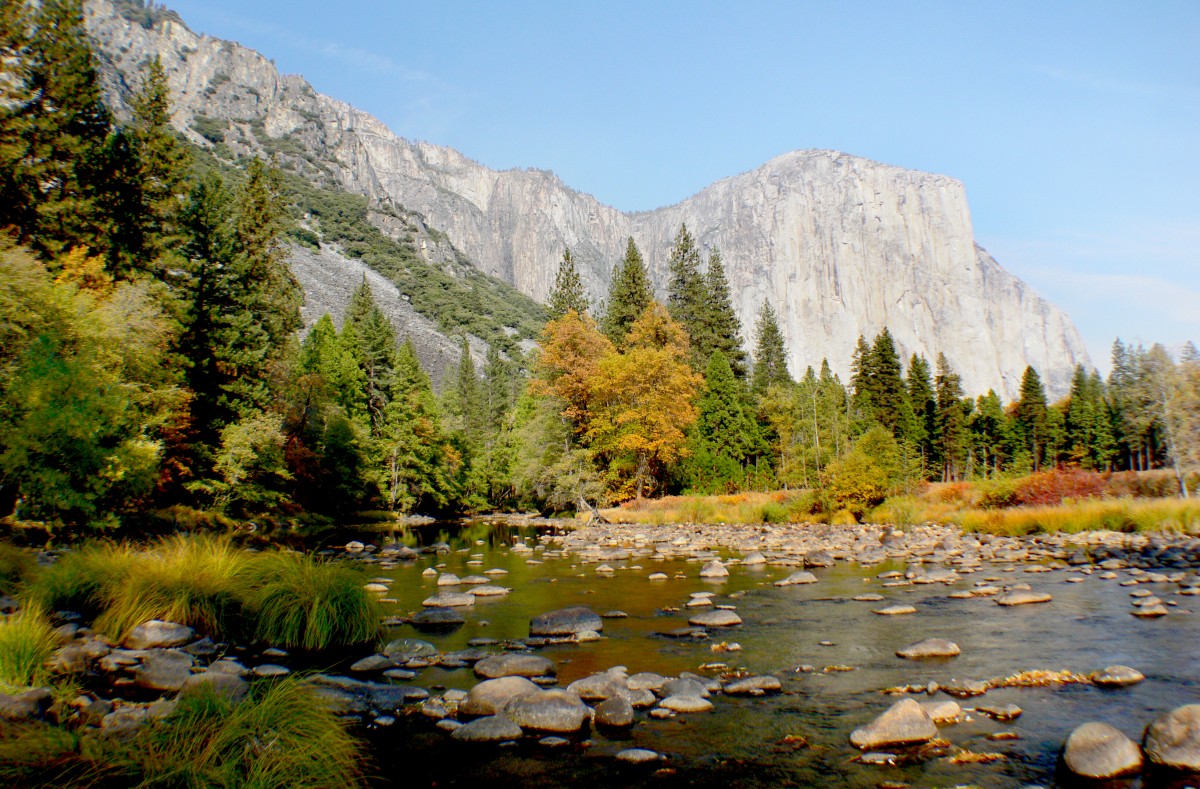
<point x="801" y="577"/>
<point x="615" y="713"/>
<point x="548" y="710"/>
<point x="493" y="728"/>
<point x="929" y="648"/>
<point x="1173" y="739"/>
<point x="906" y="723"/>
<point x="1023" y="597"/>
<point x="1117" y="677"/>
<point x="515" y="665"/>
<point x="157" y="634"/>
<point x="1097" y="750"/>
<point x="719" y="617"/>
<point x="566" y="622"/>
<point x="490" y="696"/>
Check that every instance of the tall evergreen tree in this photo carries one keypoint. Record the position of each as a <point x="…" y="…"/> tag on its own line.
<point x="770" y="353"/>
<point x="686" y="294"/>
<point x="162" y="167"/>
<point x="629" y="295"/>
<point x="919" y="387"/>
<point x="724" y="435"/>
<point x="568" y="293"/>
<point x="721" y="328"/>
<point x="862" y="380"/>
<point x="1088" y="422"/>
<point x="888" y="395"/>
<point x="991" y="432"/>
<point x="952" y="419"/>
<point x="53" y="139"/>
<point x="1031" y="418"/>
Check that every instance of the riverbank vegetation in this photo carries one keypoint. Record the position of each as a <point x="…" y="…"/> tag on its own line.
<point x="154" y="375"/>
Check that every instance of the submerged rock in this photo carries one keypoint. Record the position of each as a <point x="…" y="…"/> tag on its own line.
<point x="716" y="618"/>
<point x="565" y="622"/>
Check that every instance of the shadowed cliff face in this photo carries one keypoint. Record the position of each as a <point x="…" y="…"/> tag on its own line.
<point x="841" y="246"/>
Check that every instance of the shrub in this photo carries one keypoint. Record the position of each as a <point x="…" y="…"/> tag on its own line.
<point x="855" y="484"/>
<point x="1051" y="487"/>
<point x="26" y="641"/>
<point x="281" y="736"/>
<point x="297" y="601"/>
<point x="998" y="494"/>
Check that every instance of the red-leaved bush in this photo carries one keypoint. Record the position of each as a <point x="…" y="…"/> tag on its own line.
<point x="1047" y="488"/>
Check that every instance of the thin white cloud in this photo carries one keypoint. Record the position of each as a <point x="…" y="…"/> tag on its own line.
<point x="1119" y="86"/>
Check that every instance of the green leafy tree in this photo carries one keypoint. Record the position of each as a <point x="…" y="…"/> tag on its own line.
<point x="991" y="432"/>
<point x="770" y="353"/>
<point x="629" y="295"/>
<point x="568" y="293"/>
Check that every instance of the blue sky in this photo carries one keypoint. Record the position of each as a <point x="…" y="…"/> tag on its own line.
<point x="1075" y="126"/>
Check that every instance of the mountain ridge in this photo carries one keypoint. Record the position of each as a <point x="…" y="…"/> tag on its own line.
<point x="840" y="245"/>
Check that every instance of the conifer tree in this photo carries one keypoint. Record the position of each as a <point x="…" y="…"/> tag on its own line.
<point x="770" y="353"/>
<point x="54" y="137"/>
<point x="162" y="165"/>
<point x="862" y="389"/>
<point x="629" y="295"/>
<point x="991" y="432"/>
<point x="568" y="293"/>
<point x="724" y="435"/>
<point x="721" y="329"/>
<point x="921" y="400"/>
<point x="888" y="396"/>
<point x="686" y="296"/>
<point x="469" y="408"/>
<point x="952" y="419"/>
<point x="1031" y="418"/>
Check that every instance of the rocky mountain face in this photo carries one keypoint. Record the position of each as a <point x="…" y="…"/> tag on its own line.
<point x="839" y="245"/>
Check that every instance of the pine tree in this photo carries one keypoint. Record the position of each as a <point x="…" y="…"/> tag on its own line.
<point x="721" y="328"/>
<point x="686" y="296"/>
<point x="723" y="424"/>
<point x="629" y="295"/>
<point x="568" y="293"/>
<point x="888" y="395"/>
<point x="991" y="432"/>
<point x="54" y="138"/>
<point x="162" y="163"/>
<point x="770" y="353"/>
<point x="862" y="380"/>
<point x="1031" y="418"/>
<point x="921" y="401"/>
<point x="952" y="419"/>
<point x="469" y="409"/>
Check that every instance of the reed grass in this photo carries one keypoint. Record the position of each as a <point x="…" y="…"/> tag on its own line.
<point x="16" y="564"/>
<point x="298" y="601"/>
<point x="194" y="580"/>
<point x="282" y="737"/>
<point x="783" y="506"/>
<point x="1123" y="515"/>
<point x="26" y="641"/>
<point x="78" y="580"/>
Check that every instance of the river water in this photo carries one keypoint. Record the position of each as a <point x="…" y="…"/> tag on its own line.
<point x="749" y="742"/>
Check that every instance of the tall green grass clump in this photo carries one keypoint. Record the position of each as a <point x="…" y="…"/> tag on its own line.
<point x="297" y="601"/>
<point x="282" y="737"/>
<point x="194" y="580"/>
<point x="16" y="564"/>
<point x="26" y="641"/>
<point x="78" y="580"/>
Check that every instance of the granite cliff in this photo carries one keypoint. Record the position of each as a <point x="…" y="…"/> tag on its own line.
<point x="841" y="246"/>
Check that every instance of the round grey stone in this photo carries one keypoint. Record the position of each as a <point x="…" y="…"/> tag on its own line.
<point x="929" y="648"/>
<point x="1097" y="750"/>
<point x="615" y="713"/>
<point x="1173" y="739"/>
<point x="565" y="622"/>
<point x="515" y="665"/>
<point x="490" y="696"/>
<point x="548" y="710"/>
<point x="493" y="728"/>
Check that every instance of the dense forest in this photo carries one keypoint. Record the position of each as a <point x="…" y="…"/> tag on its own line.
<point x="152" y="364"/>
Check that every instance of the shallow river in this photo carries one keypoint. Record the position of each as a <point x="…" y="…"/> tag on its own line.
<point x="742" y="742"/>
